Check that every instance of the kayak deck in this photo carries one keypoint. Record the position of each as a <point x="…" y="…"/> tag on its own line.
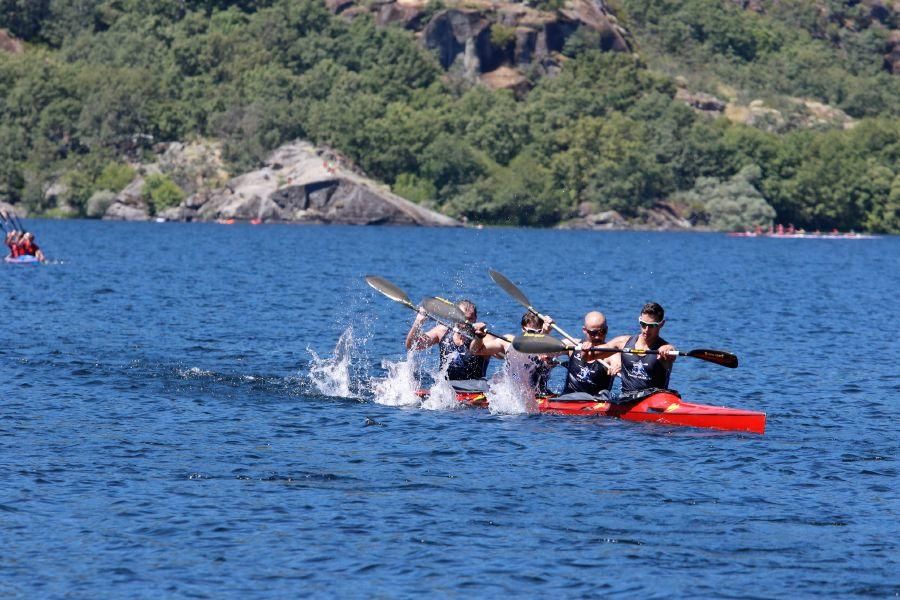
<point x="663" y="407"/>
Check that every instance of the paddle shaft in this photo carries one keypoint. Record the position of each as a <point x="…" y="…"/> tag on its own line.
<point x="510" y="288"/>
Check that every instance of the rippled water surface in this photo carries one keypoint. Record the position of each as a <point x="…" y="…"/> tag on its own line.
<point x="187" y="410"/>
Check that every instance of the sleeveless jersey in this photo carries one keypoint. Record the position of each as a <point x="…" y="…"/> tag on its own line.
<point x="586" y="377"/>
<point x="462" y="363"/>
<point x="643" y="372"/>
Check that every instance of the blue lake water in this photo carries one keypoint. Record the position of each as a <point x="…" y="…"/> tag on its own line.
<point x="163" y="432"/>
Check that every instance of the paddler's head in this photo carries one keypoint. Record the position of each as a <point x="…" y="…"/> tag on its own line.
<point x="595" y="327"/>
<point x="652" y="319"/>
<point x="468" y="308"/>
<point x="531" y="323"/>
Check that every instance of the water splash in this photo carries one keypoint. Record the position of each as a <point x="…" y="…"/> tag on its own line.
<point x="400" y="385"/>
<point x="441" y="396"/>
<point x="332" y="376"/>
<point x="509" y="390"/>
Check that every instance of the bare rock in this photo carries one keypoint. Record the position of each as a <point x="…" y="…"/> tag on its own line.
<point x="10" y="44"/>
<point x="129" y="204"/>
<point x="892" y="57"/>
<point x="507" y="78"/>
<point x="300" y="183"/>
<point x="700" y="101"/>
<point x="19" y="211"/>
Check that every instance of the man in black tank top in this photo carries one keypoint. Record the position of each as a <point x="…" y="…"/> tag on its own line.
<point x="454" y="348"/>
<point x="643" y="372"/>
<point x="588" y="372"/>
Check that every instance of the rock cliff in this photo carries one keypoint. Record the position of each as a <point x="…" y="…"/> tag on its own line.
<point x="298" y="183"/>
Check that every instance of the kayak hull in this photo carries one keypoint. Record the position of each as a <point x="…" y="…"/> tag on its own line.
<point x="26" y="259"/>
<point x="662" y="407"/>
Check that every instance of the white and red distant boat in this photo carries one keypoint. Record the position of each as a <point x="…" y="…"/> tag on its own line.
<point x="790" y="232"/>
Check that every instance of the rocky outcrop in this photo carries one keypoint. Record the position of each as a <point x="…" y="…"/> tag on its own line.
<point x="299" y="183"/>
<point x="892" y="58"/>
<point x="10" y="209"/>
<point x="10" y="44"/>
<point x="491" y="42"/>
<point x="662" y="216"/>
<point x="129" y="204"/>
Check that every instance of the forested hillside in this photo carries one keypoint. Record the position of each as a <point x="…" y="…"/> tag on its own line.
<point x="95" y="84"/>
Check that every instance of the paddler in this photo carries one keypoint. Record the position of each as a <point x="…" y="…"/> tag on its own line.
<point x="12" y="241"/>
<point x="460" y="362"/>
<point x="649" y="371"/>
<point x="27" y="247"/>
<point x="586" y="372"/>
<point x="542" y="364"/>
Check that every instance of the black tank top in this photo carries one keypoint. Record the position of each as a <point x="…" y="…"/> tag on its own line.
<point x="540" y="374"/>
<point x="463" y="364"/>
<point x="587" y="377"/>
<point x="642" y="372"/>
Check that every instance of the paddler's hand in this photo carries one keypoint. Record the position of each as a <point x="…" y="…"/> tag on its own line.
<point x="547" y="326"/>
<point x="480" y="330"/>
<point x="668" y="352"/>
<point x="421" y="315"/>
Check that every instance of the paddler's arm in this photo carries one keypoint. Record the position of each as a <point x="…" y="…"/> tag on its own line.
<point x="481" y="345"/>
<point x="417" y="339"/>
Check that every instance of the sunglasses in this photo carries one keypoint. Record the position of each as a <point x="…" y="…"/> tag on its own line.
<point x="529" y="330"/>
<point x="596" y="332"/>
<point x="650" y="325"/>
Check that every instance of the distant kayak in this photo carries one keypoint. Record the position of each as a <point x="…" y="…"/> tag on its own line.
<point x="22" y="260"/>
<point x="806" y="236"/>
<point x="664" y="407"/>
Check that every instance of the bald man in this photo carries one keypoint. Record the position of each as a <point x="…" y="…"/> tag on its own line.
<point x="587" y="372"/>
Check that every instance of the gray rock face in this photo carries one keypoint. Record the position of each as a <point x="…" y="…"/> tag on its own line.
<point x="129" y="204"/>
<point x="300" y="184"/>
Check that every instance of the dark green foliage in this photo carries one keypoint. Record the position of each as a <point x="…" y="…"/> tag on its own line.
<point x="103" y="81"/>
<point x="161" y="193"/>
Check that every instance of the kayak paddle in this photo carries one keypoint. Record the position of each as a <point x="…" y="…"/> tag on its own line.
<point x="385" y="287"/>
<point x="445" y="309"/>
<point x="510" y="288"/>
<point x="536" y="343"/>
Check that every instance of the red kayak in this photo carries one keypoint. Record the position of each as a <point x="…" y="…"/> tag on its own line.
<point x="663" y="407"/>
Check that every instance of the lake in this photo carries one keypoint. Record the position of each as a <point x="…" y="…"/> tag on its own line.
<point x="188" y="411"/>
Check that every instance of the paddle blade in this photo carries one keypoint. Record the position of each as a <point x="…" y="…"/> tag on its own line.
<point x="537" y="343"/>
<point x="388" y="289"/>
<point x="726" y="359"/>
<point x="443" y="309"/>
<point x="509" y="287"/>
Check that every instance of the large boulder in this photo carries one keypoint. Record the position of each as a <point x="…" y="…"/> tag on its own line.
<point x="299" y="183"/>
<point x="129" y="204"/>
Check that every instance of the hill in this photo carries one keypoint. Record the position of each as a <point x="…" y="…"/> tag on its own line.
<point x="723" y="114"/>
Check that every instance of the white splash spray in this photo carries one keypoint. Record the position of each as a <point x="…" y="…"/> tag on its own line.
<point x="331" y="376"/>
<point x="441" y="396"/>
<point x="509" y="389"/>
<point x="400" y="385"/>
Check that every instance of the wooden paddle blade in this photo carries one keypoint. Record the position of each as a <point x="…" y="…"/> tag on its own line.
<point x="510" y="288"/>
<point x="537" y="343"/>
<point x="443" y="309"/>
<point x="388" y="289"/>
<point x="720" y="357"/>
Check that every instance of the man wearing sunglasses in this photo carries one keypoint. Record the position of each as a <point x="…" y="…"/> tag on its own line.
<point x="587" y="372"/>
<point x="642" y="372"/>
